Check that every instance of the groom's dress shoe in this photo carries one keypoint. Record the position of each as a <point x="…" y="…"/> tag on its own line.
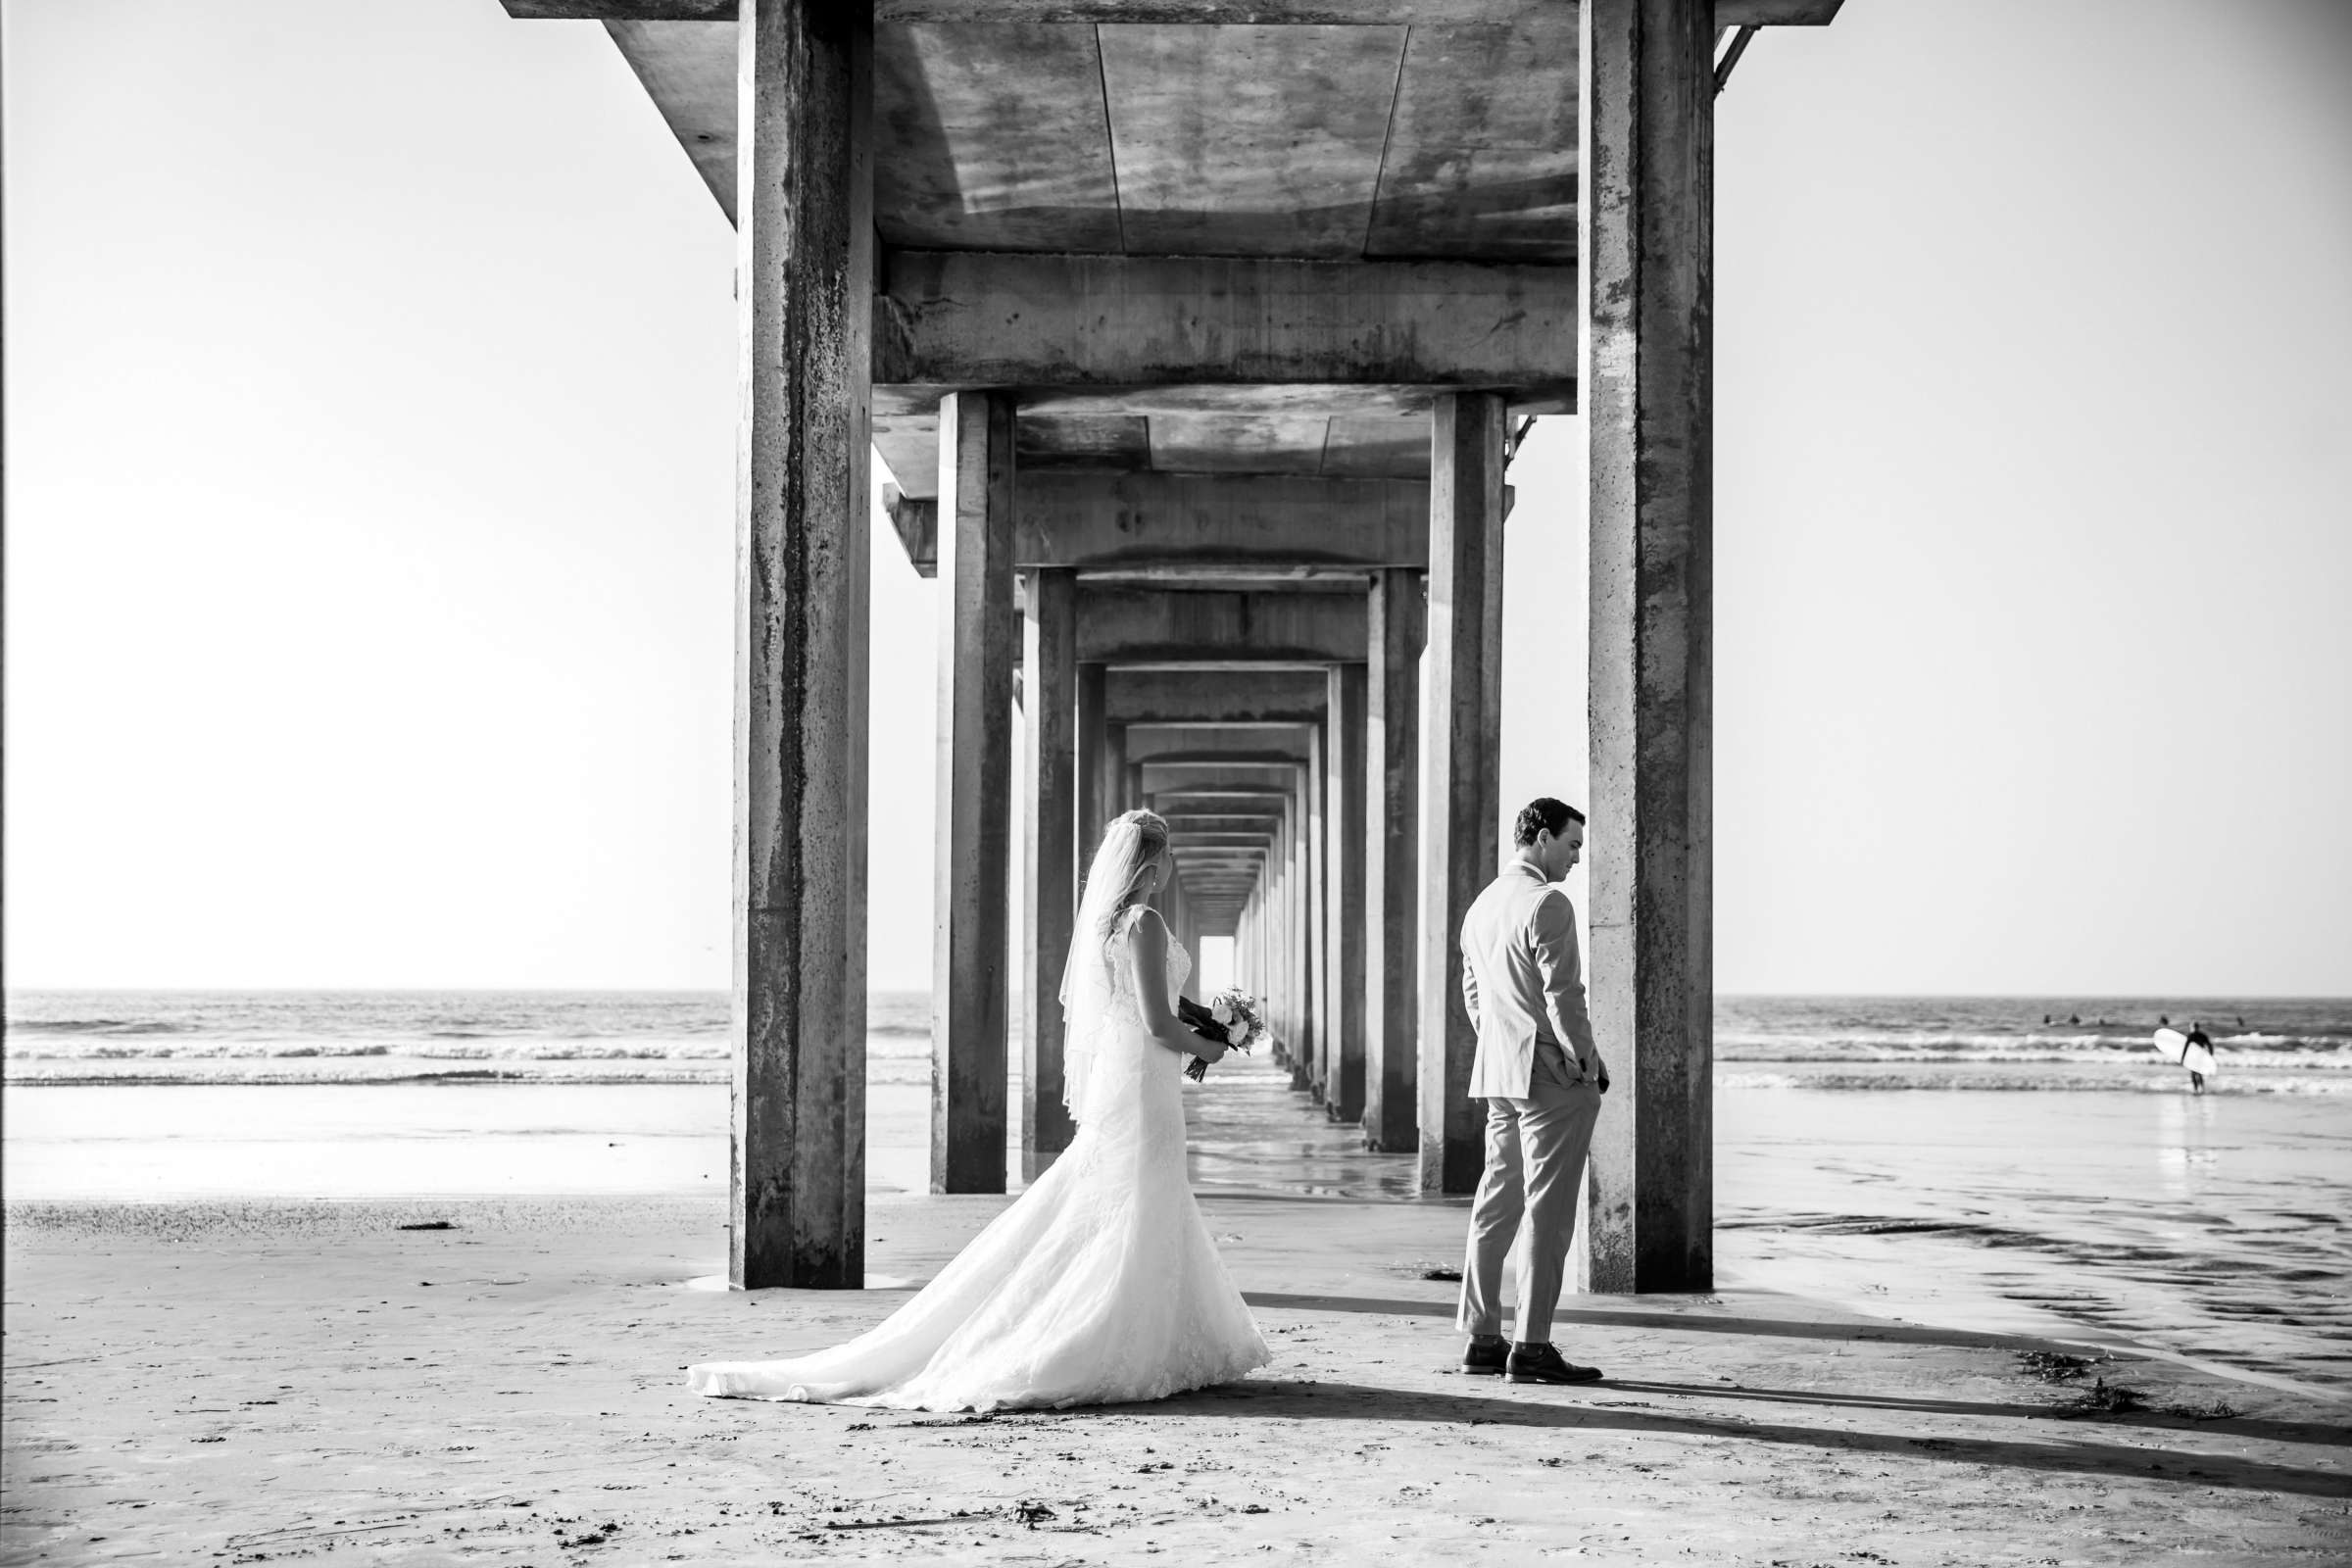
<point x="1485" y="1358"/>
<point x="1540" y="1363"/>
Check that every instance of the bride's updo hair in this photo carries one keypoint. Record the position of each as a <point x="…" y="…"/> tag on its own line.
<point x="1114" y="883"/>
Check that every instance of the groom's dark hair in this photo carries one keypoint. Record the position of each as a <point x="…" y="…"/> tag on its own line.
<point x="1541" y="813"/>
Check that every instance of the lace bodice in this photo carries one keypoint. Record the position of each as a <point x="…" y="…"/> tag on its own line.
<point x="1125" y="1002"/>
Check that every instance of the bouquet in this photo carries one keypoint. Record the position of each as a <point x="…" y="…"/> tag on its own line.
<point x="1231" y="1017"/>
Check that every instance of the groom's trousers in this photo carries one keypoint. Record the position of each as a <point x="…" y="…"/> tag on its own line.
<point x="1536" y="1150"/>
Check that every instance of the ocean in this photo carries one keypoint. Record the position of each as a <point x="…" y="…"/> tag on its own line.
<point x="2001" y="1163"/>
<point x="2266" y="1044"/>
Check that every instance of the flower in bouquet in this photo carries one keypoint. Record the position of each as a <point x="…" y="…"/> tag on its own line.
<point x="1232" y="1017"/>
<point x="1238" y="1014"/>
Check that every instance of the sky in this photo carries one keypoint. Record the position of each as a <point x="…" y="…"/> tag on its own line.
<point x="370" y="421"/>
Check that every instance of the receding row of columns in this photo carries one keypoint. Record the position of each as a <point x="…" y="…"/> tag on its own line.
<point x="1430" y="818"/>
<point x="1361" y="821"/>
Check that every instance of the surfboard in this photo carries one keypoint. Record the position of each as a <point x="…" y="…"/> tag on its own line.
<point x="2174" y="1046"/>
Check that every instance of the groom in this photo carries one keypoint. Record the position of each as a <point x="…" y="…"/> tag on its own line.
<point x="1541" y="1081"/>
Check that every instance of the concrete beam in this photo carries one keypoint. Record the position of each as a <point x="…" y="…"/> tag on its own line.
<point x="1261" y="803"/>
<point x="1141" y="696"/>
<point x="1141" y="627"/>
<point x="1158" y="743"/>
<point x="1192" y="774"/>
<point x="1776" y="13"/>
<point x="1195" y="13"/>
<point x="803" y="269"/>
<point x="1108" y="521"/>
<point x="688" y="68"/>
<point x="621" y="10"/>
<point x="1077" y="517"/>
<point x="1649" y="108"/>
<point x="951" y="319"/>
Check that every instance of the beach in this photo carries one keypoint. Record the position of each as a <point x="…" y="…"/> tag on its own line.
<point x="222" y="1341"/>
<point x="248" y="1382"/>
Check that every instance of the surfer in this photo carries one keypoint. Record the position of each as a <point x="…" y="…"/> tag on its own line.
<point x="2198" y="1037"/>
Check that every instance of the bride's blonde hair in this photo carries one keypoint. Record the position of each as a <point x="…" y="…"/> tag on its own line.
<point x="1132" y="841"/>
<point x="1114" y="886"/>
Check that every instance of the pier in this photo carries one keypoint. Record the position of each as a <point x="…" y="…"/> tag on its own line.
<point x="1195" y="339"/>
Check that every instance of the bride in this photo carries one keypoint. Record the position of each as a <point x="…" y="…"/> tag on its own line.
<point x="1100" y="1284"/>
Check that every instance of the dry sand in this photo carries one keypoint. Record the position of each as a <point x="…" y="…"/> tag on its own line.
<point x="305" y="1380"/>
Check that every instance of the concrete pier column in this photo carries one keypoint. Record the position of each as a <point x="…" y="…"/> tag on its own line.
<point x="1298" y="946"/>
<point x="1278" y="940"/>
<point x="1649" y="106"/>
<point x="1049" y="714"/>
<point x="1285" y="945"/>
<point x="1241" y="947"/>
<point x="804" y="290"/>
<point x="1343" y="783"/>
<point x="1093" y="806"/>
<point x="1317" y="816"/>
<point x="1248" y="972"/>
<point x="976" y="643"/>
<point x="1461" y="750"/>
<point x="1393" y="861"/>
<point x="1180" y="917"/>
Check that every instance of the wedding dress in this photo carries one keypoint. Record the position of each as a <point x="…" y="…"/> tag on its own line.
<point x="1099" y="1285"/>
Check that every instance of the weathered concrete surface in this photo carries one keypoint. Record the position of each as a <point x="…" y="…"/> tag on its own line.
<point x="1283" y="696"/>
<point x="511" y="1392"/>
<point x="1392" y="859"/>
<point x="1078" y="517"/>
<point x="1144" y="627"/>
<point x="1650" y="101"/>
<point x="1356" y="432"/>
<point x="970" y="318"/>
<point x="1345" y="771"/>
<point x="977" y="642"/>
<point x="1220" y="863"/>
<point x="1049" y="899"/>
<point x="1092" y="810"/>
<point x="1218" y="743"/>
<point x="1198" y="13"/>
<point x="1232" y="837"/>
<point x="1314" y="920"/>
<point x="1025" y="128"/>
<point x="1461" y="758"/>
<point x="803" y="265"/>
<point x="1283" y="779"/>
<point x="688" y="70"/>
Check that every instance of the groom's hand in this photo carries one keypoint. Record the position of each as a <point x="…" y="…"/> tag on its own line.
<point x="1601" y="1075"/>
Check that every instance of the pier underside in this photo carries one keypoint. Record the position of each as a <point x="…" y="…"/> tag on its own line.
<point x="1195" y="339"/>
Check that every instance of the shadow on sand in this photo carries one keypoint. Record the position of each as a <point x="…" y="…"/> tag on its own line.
<point x="1579" y="1411"/>
<point x="2318" y="1433"/>
<point x="1872" y="1329"/>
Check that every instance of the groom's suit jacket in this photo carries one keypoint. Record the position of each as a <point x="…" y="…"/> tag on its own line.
<point x="1524" y="984"/>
